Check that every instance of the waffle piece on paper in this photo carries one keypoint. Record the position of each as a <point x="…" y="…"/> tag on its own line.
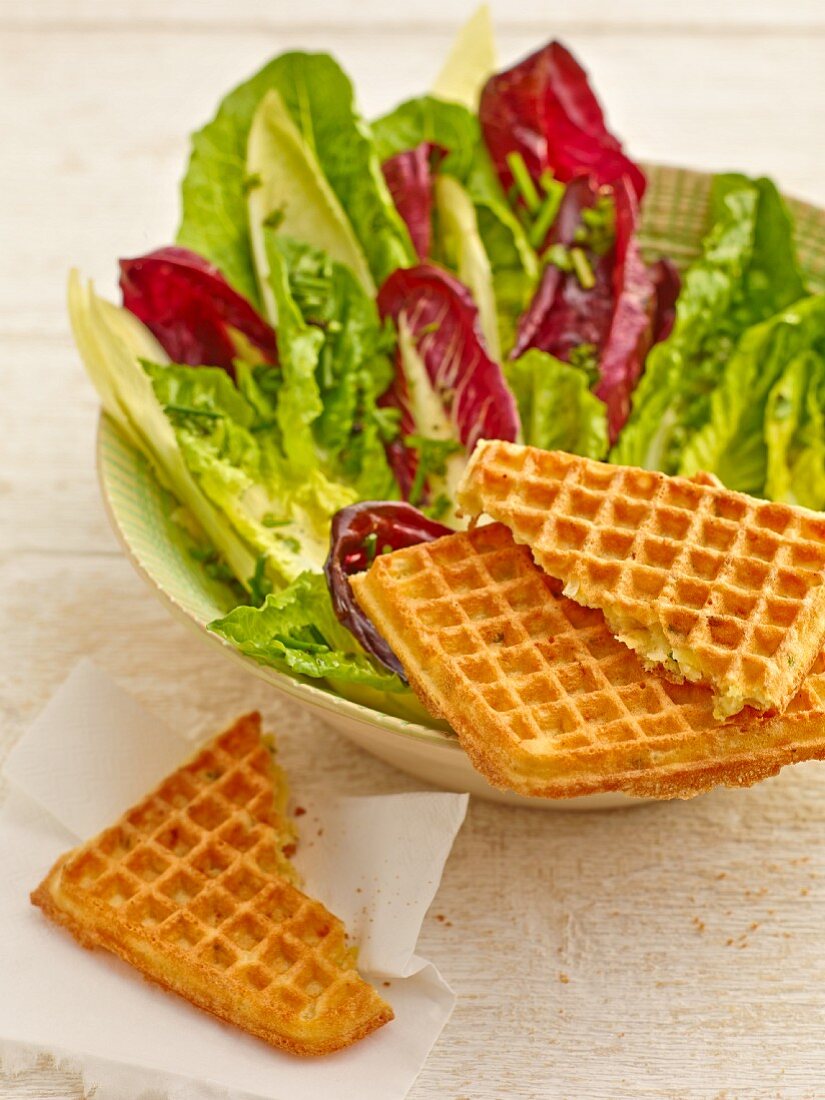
<point x="713" y="585"/>
<point x="544" y="699"/>
<point x="192" y="886"/>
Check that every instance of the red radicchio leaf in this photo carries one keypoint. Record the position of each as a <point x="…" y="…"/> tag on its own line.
<point x="189" y="307"/>
<point x="385" y="524"/>
<point x="563" y="314"/>
<point x="442" y="318"/>
<point x="668" y="283"/>
<point x="628" y="309"/>
<point x="409" y="177"/>
<point x="544" y="109"/>
<point x="635" y="306"/>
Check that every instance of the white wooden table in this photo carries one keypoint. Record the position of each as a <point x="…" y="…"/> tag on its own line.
<point x="671" y="951"/>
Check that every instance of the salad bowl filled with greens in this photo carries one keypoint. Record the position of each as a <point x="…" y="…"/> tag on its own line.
<point x="295" y="385"/>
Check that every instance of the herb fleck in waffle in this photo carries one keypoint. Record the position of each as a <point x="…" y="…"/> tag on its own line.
<point x="544" y="699"/>
<point x="193" y="887"/>
<point x="713" y="585"/>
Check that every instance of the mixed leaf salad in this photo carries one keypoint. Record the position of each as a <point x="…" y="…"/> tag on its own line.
<point x="350" y="306"/>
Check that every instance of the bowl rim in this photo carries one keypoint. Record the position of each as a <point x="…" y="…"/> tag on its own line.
<point x="300" y="690"/>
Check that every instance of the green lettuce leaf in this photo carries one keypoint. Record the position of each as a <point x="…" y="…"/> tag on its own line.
<point x="112" y="343"/>
<point x="299" y="348"/>
<point x="472" y="59"/>
<point x="732" y="443"/>
<point x="558" y="412"/>
<point x="319" y="99"/>
<point x="795" y="434"/>
<point x="334" y="327"/>
<point x="291" y="190"/>
<point x="239" y="460"/>
<point x="461" y="248"/>
<point x="746" y="273"/>
<point x="296" y="631"/>
<point x="428" y="118"/>
<point x="514" y="265"/>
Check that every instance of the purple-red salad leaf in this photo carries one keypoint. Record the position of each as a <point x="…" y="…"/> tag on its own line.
<point x="668" y="283"/>
<point x="544" y="111"/>
<point x="634" y="309"/>
<point x="564" y="314"/>
<point x="609" y="320"/>
<point x="194" y="313"/>
<point x="360" y="532"/>
<point x="409" y="176"/>
<point x="442" y="320"/>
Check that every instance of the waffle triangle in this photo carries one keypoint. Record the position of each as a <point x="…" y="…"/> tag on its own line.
<point x="194" y="888"/>
<point x="544" y="699"/>
<point x="712" y="585"/>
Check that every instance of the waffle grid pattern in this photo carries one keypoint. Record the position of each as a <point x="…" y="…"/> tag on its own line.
<point x="735" y="581"/>
<point x="199" y="869"/>
<point x="538" y="689"/>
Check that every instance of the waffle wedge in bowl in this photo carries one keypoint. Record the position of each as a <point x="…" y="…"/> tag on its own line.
<point x="194" y="888"/>
<point x="712" y="585"/>
<point x="545" y="700"/>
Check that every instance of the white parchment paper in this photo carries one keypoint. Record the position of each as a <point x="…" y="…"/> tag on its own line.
<point x="377" y="864"/>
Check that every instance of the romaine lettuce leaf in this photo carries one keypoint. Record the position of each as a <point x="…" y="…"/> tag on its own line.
<point x="746" y="273"/>
<point x="429" y="119"/>
<point x="319" y="99"/>
<point x="795" y="434"/>
<point x="471" y="60"/>
<point x="299" y="348"/>
<point x="296" y="631"/>
<point x="326" y="304"/>
<point x="513" y="262"/>
<point x="557" y="410"/>
<point x="243" y="468"/>
<point x="732" y="444"/>
<point x="291" y="191"/>
<point x="461" y="248"/>
<point x="112" y="341"/>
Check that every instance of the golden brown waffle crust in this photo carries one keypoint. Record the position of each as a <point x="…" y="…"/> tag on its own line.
<point x="661" y="763"/>
<point x="91" y="922"/>
<point x="714" y="585"/>
<point x="195" y="989"/>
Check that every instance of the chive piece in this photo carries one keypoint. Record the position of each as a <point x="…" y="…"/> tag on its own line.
<point x="558" y="256"/>
<point x="370" y="546"/>
<point x="523" y="181"/>
<point x="274" y="218"/>
<point x="549" y="184"/>
<point x="190" y="410"/>
<point x="259" y="584"/>
<point x="251" y="182"/>
<point x="295" y="643"/>
<point x="582" y="268"/>
<point x="270" y="521"/>
<point x="544" y="219"/>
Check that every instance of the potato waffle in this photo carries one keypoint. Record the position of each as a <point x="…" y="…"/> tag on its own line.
<point x="544" y="699"/>
<point x="713" y="585"/>
<point x="193" y="887"/>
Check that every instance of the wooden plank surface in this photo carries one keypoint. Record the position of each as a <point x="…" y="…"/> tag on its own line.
<point x="671" y="951"/>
